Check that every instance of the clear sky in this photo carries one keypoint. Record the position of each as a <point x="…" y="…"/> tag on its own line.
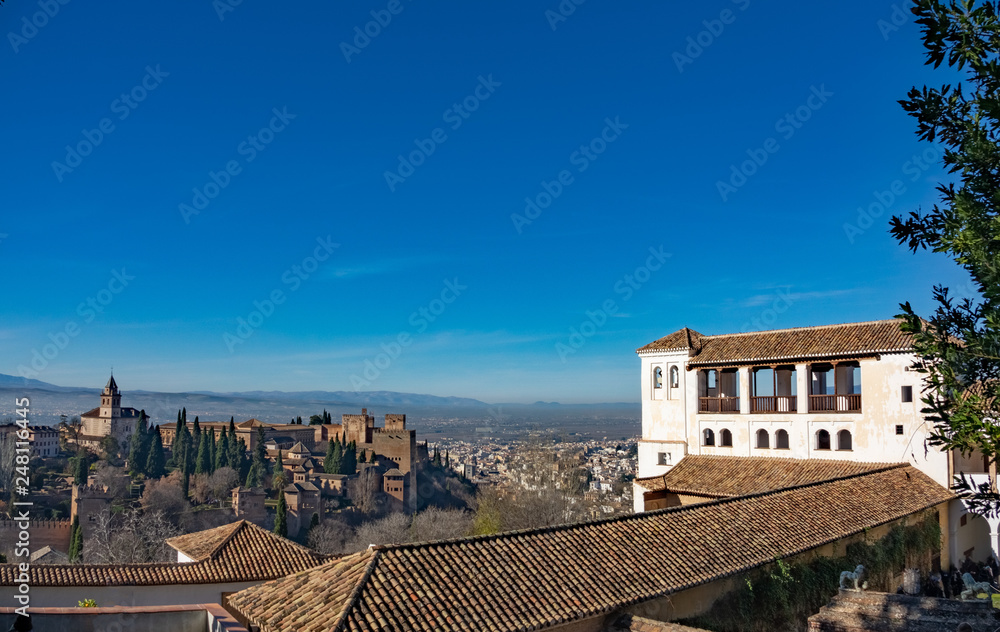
<point x="179" y="165"/>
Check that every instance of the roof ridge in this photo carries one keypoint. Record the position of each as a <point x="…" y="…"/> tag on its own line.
<point x="804" y="328"/>
<point x="359" y="588"/>
<point x="634" y="516"/>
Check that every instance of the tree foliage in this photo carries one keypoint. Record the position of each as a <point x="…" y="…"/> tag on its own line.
<point x="959" y="345"/>
<point x="281" y="519"/>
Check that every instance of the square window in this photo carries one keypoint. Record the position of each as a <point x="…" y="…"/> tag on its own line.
<point x="899" y="429"/>
<point x="907" y="394"/>
<point x="664" y="458"/>
<point x="965" y="519"/>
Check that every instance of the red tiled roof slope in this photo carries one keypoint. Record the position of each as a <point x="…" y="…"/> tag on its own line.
<point x="851" y="339"/>
<point x="532" y="580"/>
<point x="201" y="545"/>
<point x="248" y="554"/>
<point x="719" y="476"/>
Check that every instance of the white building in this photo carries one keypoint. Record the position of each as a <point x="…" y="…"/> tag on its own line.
<point x="839" y="392"/>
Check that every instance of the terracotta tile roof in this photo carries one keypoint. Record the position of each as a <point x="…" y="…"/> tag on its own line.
<point x="726" y="476"/>
<point x="203" y="544"/>
<point x="532" y="580"/>
<point x="785" y="345"/>
<point x="96" y="412"/>
<point x="247" y="554"/>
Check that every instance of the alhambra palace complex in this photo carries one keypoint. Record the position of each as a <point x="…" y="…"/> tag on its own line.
<point x="757" y="448"/>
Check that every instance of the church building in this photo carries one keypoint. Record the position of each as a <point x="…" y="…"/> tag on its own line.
<point x="108" y="419"/>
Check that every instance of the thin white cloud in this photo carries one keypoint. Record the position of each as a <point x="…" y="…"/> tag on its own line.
<point x="783" y="293"/>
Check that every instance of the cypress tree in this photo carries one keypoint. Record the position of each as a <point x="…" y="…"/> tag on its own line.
<point x="241" y="464"/>
<point x="255" y="478"/>
<point x="139" y="448"/>
<point x="361" y="457"/>
<point x="278" y="480"/>
<point x="80" y="469"/>
<point x="196" y="431"/>
<point x="184" y="415"/>
<point x="331" y="464"/>
<point x="222" y="451"/>
<point x="235" y="457"/>
<point x="447" y="458"/>
<point x="259" y="451"/>
<point x="211" y="450"/>
<point x="314" y="522"/>
<point x="281" y="520"/>
<point x="156" y="462"/>
<point x="203" y="463"/>
<point x="349" y="462"/>
<point x="75" y="540"/>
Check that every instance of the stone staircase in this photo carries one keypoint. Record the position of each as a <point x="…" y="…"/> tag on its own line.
<point x="851" y="611"/>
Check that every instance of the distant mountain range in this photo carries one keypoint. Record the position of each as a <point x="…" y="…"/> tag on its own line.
<point x="50" y="401"/>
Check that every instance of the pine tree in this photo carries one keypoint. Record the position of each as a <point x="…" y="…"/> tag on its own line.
<point x="222" y="451"/>
<point x="203" y="463"/>
<point x="75" y="541"/>
<point x="139" y="448"/>
<point x="156" y="461"/>
<point x="281" y="519"/>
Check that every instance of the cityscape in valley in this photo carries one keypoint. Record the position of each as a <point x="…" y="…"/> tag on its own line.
<point x="577" y="317"/>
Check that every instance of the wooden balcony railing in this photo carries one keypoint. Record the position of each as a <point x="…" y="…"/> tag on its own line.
<point x="835" y="403"/>
<point x="718" y="404"/>
<point x="773" y="404"/>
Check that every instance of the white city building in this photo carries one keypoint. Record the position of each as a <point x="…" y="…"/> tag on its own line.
<point x="839" y="392"/>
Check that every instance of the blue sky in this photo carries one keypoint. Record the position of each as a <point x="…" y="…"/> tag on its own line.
<point x="360" y="179"/>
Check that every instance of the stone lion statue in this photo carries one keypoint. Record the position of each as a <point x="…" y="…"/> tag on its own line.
<point x="973" y="588"/>
<point x="853" y="577"/>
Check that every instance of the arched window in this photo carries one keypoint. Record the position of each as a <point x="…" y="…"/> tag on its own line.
<point x="844" y="440"/>
<point x="726" y="438"/>
<point x="781" y="440"/>
<point x="709" y="437"/>
<point x="657" y="377"/>
<point x="674" y="380"/>
<point x="763" y="440"/>
<point x="822" y="440"/>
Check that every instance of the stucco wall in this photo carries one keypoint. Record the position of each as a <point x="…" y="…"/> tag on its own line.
<point x="69" y="596"/>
